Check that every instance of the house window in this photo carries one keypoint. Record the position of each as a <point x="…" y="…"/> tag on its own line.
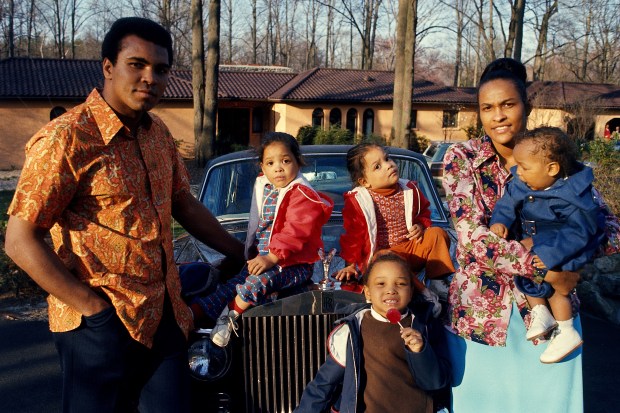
<point x="414" y="119"/>
<point x="335" y="117"/>
<point x="369" y="122"/>
<point x="450" y="118"/>
<point x="257" y="120"/>
<point x="352" y="120"/>
<point x="317" y="118"/>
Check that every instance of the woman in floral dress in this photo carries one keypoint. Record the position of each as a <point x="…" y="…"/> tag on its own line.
<point x="495" y="368"/>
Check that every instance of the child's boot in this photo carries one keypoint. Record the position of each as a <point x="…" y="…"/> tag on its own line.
<point x="565" y="340"/>
<point x="541" y="322"/>
<point x="226" y="323"/>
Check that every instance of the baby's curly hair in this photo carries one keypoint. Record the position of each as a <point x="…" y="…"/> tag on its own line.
<point x="556" y="146"/>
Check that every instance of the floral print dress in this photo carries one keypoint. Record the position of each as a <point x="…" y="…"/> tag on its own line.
<point x="482" y="291"/>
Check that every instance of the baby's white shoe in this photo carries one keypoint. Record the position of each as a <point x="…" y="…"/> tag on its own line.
<point x="541" y="322"/>
<point x="563" y="342"/>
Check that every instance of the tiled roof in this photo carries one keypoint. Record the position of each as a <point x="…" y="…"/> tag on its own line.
<point x="562" y="94"/>
<point x="250" y="85"/>
<point x="28" y="78"/>
<point x="37" y="78"/>
<point x="339" y="84"/>
<point x="242" y="82"/>
<point x="364" y="86"/>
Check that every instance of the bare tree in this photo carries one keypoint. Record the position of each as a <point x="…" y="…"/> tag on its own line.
<point x="254" y="33"/>
<point x="312" y="12"/>
<point x="198" y="72"/>
<point x="11" y="31"/>
<point x="459" y="9"/>
<point x="363" y="17"/>
<point x="228" y="6"/>
<point x="206" y="140"/>
<point x="540" y="57"/>
<point x="403" y="74"/>
<point x="515" y="30"/>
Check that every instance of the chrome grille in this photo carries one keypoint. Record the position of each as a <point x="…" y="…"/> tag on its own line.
<point x="284" y="346"/>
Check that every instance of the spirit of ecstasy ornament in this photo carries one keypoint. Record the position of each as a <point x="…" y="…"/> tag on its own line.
<point x="326" y="283"/>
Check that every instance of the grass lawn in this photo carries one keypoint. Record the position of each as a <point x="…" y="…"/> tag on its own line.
<point x="5" y="200"/>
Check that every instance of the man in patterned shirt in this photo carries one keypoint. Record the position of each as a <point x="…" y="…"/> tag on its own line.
<point x="105" y="179"/>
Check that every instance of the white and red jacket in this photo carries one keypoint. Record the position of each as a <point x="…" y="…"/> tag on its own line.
<point x="300" y="215"/>
<point x="359" y="241"/>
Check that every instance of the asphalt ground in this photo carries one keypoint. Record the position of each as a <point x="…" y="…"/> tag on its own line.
<point x="30" y="373"/>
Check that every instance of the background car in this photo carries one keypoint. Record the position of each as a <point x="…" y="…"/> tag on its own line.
<point x="434" y="154"/>
<point x="282" y="344"/>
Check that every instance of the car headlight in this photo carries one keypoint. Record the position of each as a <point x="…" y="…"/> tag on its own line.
<point x="208" y="362"/>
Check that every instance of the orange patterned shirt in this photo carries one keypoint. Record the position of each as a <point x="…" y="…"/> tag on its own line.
<point x="107" y="198"/>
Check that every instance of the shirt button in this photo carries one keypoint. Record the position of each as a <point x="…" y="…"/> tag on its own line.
<point x="530" y="198"/>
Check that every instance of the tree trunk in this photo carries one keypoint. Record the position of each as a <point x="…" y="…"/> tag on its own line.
<point x="73" y="27"/>
<point x="198" y="72"/>
<point x="459" y="43"/>
<point x="11" y="33"/>
<point x="230" y="31"/>
<point x="207" y="140"/>
<point x="399" y="68"/>
<point x="328" y="38"/>
<point x="491" y="38"/>
<point x="31" y="14"/>
<point x="582" y="74"/>
<point x="403" y="74"/>
<point x="518" y="44"/>
<point x="515" y="31"/>
<point x="540" y="57"/>
<point x="254" y="33"/>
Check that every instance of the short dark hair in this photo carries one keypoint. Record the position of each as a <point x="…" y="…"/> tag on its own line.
<point x="284" y="138"/>
<point x="509" y="69"/>
<point x="387" y="256"/>
<point x="556" y="146"/>
<point x="143" y="28"/>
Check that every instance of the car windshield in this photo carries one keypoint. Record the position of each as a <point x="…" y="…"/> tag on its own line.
<point x="228" y="185"/>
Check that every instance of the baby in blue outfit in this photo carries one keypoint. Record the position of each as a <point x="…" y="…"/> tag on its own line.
<point x="550" y="201"/>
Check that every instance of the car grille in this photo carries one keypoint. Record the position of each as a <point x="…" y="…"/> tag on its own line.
<point x="284" y="346"/>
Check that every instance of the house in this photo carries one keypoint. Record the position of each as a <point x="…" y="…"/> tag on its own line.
<point x="253" y="100"/>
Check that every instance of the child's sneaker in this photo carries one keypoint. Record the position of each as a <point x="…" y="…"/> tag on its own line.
<point x="541" y="322"/>
<point x="226" y="323"/>
<point x="563" y="342"/>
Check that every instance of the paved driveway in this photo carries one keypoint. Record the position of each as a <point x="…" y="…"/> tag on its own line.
<point x="30" y="374"/>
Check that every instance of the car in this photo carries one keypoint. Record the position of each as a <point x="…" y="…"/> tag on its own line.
<point x="282" y="344"/>
<point x="434" y="154"/>
<point x="226" y="191"/>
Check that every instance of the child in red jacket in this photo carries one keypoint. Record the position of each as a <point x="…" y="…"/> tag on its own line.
<point x="285" y="224"/>
<point x="386" y="212"/>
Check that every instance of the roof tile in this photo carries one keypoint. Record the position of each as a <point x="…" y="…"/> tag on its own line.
<point x="30" y="78"/>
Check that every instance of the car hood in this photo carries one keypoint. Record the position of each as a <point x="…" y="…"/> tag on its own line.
<point x="188" y="249"/>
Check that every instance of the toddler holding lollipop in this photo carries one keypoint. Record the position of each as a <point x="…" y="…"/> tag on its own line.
<point x="381" y="365"/>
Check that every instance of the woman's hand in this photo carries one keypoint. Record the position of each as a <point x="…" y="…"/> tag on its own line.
<point x="562" y="281"/>
<point x="537" y="262"/>
<point x="347" y="273"/>
<point x="500" y="230"/>
<point x="413" y="339"/>
<point x="528" y="243"/>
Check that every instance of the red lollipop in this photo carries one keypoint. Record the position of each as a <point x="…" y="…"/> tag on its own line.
<point x="394" y="316"/>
